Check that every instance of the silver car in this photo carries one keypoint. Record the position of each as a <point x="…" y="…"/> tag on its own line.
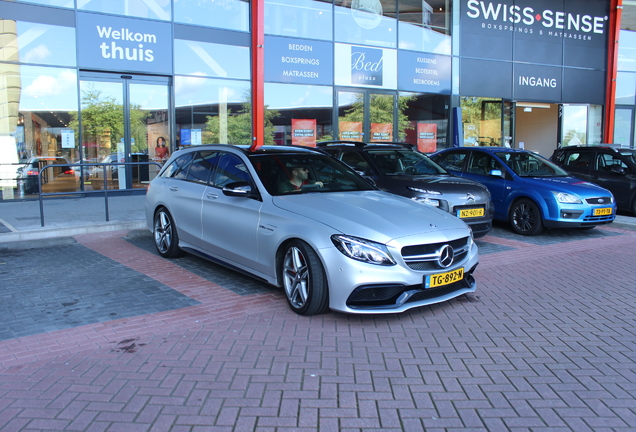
<point x="299" y="219"/>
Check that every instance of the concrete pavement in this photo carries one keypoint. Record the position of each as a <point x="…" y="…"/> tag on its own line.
<point x="101" y="334"/>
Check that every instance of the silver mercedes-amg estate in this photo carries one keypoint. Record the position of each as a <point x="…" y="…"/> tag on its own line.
<point x="302" y="220"/>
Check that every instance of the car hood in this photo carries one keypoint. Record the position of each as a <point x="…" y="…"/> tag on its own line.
<point x="443" y="184"/>
<point x="567" y="184"/>
<point x="375" y="215"/>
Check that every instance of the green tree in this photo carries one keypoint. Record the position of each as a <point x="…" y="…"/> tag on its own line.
<point x="239" y="126"/>
<point x="380" y="111"/>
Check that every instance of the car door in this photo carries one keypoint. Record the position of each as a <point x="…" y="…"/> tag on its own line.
<point x="230" y="223"/>
<point x="479" y="167"/>
<point x="604" y="173"/>
<point x="579" y="163"/>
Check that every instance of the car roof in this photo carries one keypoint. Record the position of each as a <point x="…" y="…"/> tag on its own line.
<point x="489" y="149"/>
<point x="365" y="146"/>
<point x="609" y="147"/>
<point x="266" y="149"/>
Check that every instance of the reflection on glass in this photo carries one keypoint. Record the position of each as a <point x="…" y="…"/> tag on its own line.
<point x="155" y="9"/>
<point x="227" y="14"/>
<point x="425" y="26"/>
<point x="59" y="3"/>
<point x="38" y="103"/>
<point x="368" y="22"/>
<point x="40" y="43"/>
<point x="305" y="113"/>
<point x="623" y="126"/>
<point x="574" y="125"/>
<point x="481" y="119"/>
<point x="149" y="128"/>
<point x="626" y="88"/>
<point x="425" y="120"/>
<point x="350" y="116"/>
<point x="211" y="60"/>
<point x="311" y="19"/>
<point x="213" y="111"/>
<point x="381" y="117"/>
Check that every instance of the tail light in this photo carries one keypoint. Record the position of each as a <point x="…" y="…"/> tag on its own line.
<point x="69" y="172"/>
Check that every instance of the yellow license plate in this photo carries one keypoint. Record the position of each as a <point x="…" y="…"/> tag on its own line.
<point x="470" y="213"/>
<point x="441" y="279"/>
<point x="602" y="211"/>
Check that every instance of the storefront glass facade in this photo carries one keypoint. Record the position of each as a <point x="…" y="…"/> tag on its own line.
<point x="91" y="81"/>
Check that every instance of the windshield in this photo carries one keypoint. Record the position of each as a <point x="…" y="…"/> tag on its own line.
<point x="407" y="162"/>
<point x="305" y="172"/>
<point x="528" y="164"/>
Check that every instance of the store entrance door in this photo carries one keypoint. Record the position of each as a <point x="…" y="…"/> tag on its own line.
<point x="123" y="118"/>
<point x="366" y="115"/>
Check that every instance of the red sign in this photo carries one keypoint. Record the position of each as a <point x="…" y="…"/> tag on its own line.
<point x="303" y="132"/>
<point x="350" y="131"/>
<point x="381" y="132"/>
<point x="427" y="137"/>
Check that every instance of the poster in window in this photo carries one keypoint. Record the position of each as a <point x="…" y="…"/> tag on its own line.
<point x="350" y="131"/>
<point x="381" y="131"/>
<point x="303" y="132"/>
<point x="427" y="137"/>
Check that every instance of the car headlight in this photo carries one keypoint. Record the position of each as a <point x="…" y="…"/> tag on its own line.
<point x="424" y="191"/>
<point x="426" y="200"/>
<point x="363" y="250"/>
<point x="566" y="198"/>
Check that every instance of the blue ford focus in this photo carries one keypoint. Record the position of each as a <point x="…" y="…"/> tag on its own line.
<point x="529" y="191"/>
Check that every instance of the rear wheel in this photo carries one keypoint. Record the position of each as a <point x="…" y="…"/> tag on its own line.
<point x="165" y="235"/>
<point x="525" y="217"/>
<point x="304" y="279"/>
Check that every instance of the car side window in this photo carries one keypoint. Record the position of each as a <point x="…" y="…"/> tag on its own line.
<point x="578" y="159"/>
<point x="605" y="162"/>
<point x="202" y="164"/>
<point x="453" y="161"/>
<point x="355" y="160"/>
<point x="479" y="164"/>
<point x="177" y="167"/>
<point x="230" y="169"/>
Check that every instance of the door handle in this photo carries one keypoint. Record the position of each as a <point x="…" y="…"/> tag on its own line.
<point x="174" y="188"/>
<point x="212" y="196"/>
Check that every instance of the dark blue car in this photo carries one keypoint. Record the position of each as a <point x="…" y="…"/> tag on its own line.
<point x="529" y="191"/>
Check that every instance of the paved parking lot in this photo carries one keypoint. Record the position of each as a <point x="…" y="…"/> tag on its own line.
<point x="101" y="334"/>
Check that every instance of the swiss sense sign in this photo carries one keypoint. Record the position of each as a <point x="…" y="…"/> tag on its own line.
<point x="565" y="33"/>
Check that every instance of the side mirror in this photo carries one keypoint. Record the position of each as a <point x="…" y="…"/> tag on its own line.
<point x="239" y="189"/>
<point x="618" y="169"/>
<point x="496" y="173"/>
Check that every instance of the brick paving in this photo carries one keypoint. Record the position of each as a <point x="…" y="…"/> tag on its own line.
<point x="546" y="343"/>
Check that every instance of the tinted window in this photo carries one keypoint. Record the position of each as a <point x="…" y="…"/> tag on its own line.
<point x="177" y="167"/>
<point x="526" y="164"/>
<point x="202" y="165"/>
<point x="606" y="162"/>
<point x="230" y="169"/>
<point x="452" y="160"/>
<point x="578" y="159"/>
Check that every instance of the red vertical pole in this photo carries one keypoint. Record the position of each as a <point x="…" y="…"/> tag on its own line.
<point x="616" y="9"/>
<point x="258" y="73"/>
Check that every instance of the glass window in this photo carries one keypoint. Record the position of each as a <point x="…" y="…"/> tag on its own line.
<point x="574" y="125"/>
<point x="228" y="14"/>
<point x="59" y="3"/>
<point x="425" y="26"/>
<point x="177" y="166"/>
<point x="627" y="50"/>
<point x="298" y="114"/>
<point x="607" y="162"/>
<point x="202" y="165"/>
<point x="579" y="160"/>
<point x="231" y="169"/>
<point x="625" y="88"/>
<point x="623" y="126"/>
<point x="481" y="119"/>
<point x="211" y="60"/>
<point x="40" y="106"/>
<point x="423" y="120"/>
<point x="366" y="22"/>
<point x="155" y="9"/>
<point x="212" y="111"/>
<point x="38" y="43"/>
<point x="452" y="161"/>
<point x="311" y="19"/>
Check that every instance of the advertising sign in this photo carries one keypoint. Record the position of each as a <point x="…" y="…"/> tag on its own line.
<point x="298" y="61"/>
<point x="351" y="131"/>
<point x="381" y="132"/>
<point x="426" y="137"/>
<point x="303" y="132"/>
<point x="424" y="73"/>
<point x="537" y="82"/>
<point x="360" y="66"/>
<point x="125" y="44"/>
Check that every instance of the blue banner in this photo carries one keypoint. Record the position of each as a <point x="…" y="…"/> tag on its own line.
<point x="298" y="61"/>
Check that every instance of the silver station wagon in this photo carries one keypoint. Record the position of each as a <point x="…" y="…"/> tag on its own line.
<point x="299" y="219"/>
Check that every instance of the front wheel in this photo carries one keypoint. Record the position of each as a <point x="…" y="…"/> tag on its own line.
<point x="525" y="218"/>
<point x="304" y="279"/>
<point x="165" y="235"/>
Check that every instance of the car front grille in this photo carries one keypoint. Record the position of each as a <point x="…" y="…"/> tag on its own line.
<point x="599" y="200"/>
<point x="427" y="256"/>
